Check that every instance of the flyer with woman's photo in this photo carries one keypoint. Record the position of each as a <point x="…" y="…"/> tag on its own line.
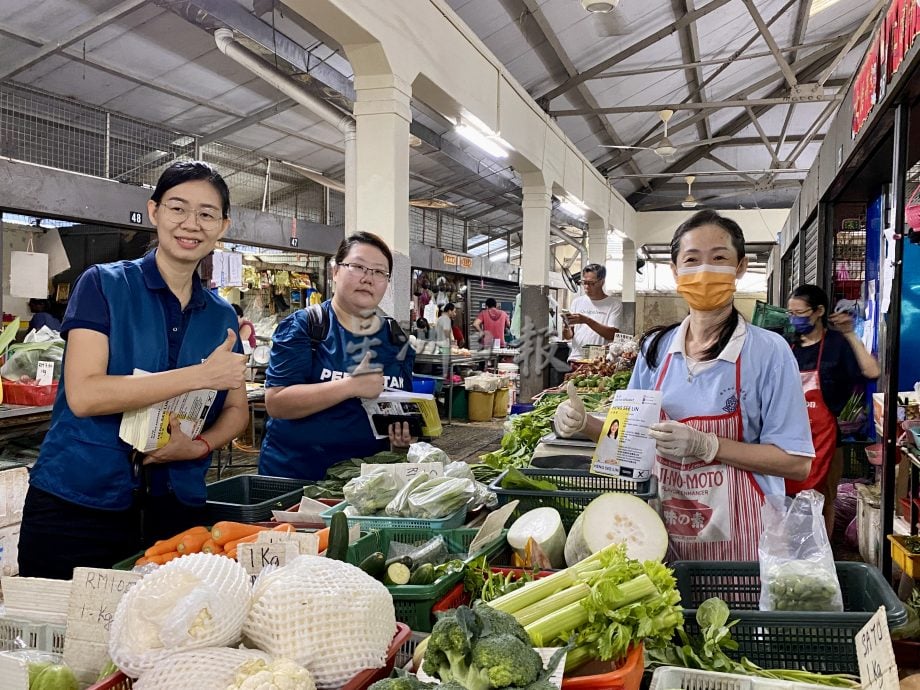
<point x="625" y="448"/>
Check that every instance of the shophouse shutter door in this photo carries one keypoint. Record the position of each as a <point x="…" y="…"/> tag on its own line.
<point x="479" y="291"/>
<point x="812" y="247"/>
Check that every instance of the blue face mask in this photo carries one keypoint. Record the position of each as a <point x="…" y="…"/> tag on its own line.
<point x="802" y="324"/>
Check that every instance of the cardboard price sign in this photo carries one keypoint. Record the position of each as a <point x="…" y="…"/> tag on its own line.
<point x="256" y="556"/>
<point x="94" y="597"/>
<point x="877" y="667"/>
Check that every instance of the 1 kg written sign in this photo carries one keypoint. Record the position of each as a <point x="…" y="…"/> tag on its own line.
<point x="94" y="597"/>
<point x="877" y="667"/>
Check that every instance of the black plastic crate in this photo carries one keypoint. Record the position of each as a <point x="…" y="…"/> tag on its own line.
<point x="577" y="488"/>
<point x="822" y="642"/>
<point x="252" y="497"/>
<point x="855" y="463"/>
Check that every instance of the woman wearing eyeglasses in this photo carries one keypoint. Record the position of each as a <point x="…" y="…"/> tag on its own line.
<point x="733" y="414"/>
<point x="325" y="362"/>
<point x="92" y="501"/>
<point x="833" y="364"/>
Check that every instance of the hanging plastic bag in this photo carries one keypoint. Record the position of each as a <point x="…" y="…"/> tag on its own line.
<point x="797" y="571"/>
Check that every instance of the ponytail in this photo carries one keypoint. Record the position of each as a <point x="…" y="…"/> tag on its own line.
<point x="653" y="337"/>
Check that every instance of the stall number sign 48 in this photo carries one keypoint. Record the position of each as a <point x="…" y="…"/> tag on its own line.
<point x="877" y="667"/>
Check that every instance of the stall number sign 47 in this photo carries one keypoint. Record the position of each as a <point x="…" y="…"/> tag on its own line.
<point x="877" y="667"/>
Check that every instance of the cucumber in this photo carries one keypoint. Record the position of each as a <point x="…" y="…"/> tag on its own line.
<point x="405" y="560"/>
<point x="397" y="573"/>
<point x="423" y="575"/>
<point x="374" y="565"/>
<point x="338" y="537"/>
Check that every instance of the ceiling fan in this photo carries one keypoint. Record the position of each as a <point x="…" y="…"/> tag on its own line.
<point x="690" y="201"/>
<point x="664" y="147"/>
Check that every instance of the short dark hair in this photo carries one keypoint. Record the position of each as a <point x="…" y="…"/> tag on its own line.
<point x="490" y="302"/>
<point x="190" y="171"/>
<point x="596" y="269"/>
<point x="238" y="309"/>
<point x="708" y="217"/>
<point x="363" y="238"/>
<point x="450" y="306"/>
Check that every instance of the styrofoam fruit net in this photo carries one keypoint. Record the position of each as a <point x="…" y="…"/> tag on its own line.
<point x="191" y="602"/>
<point x="329" y="616"/>
<point x="201" y="669"/>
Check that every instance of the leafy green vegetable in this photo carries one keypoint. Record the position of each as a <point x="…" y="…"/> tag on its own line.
<point x="523" y="432"/>
<point x="707" y="652"/>
<point x="482" y="583"/>
<point x="342" y="472"/>
<point x="515" y="479"/>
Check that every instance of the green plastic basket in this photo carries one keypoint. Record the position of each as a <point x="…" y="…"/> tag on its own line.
<point x="358" y="550"/>
<point x="577" y="488"/>
<point x="413" y="603"/>
<point x="386" y="522"/>
<point x="816" y="641"/>
<point x="252" y="497"/>
<point x="771" y="317"/>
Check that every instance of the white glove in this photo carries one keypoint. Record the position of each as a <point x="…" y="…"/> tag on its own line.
<point x="677" y="440"/>
<point x="570" y="417"/>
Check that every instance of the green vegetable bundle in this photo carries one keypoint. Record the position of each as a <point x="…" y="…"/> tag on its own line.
<point x="523" y="432"/>
<point x="339" y="474"/>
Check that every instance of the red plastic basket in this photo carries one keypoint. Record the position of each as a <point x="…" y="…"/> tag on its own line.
<point x="628" y="676"/>
<point x="119" y="681"/>
<point x="16" y="393"/>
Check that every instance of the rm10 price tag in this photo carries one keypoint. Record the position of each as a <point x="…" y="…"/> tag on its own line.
<point x="877" y="667"/>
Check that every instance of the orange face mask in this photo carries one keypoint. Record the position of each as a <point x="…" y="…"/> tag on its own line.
<point x="707" y="287"/>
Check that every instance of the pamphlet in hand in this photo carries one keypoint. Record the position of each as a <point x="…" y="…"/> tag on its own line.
<point x="625" y="448"/>
<point x="147" y="429"/>
<point x="394" y="406"/>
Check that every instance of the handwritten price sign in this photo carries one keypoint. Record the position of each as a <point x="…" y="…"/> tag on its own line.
<point x="877" y="667"/>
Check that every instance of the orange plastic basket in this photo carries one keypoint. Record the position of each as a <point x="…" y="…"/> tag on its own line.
<point x="628" y="676"/>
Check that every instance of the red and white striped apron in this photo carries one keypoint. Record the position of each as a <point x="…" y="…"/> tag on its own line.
<point x="711" y="510"/>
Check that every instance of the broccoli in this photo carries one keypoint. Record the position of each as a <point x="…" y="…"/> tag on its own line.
<point x="541" y="684"/>
<point x="404" y="682"/>
<point x="495" y="622"/>
<point x="480" y="650"/>
<point x="503" y="660"/>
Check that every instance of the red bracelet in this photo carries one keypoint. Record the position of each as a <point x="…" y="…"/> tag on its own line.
<point x="201" y="438"/>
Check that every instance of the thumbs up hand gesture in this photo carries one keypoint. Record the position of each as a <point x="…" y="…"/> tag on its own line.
<point x="570" y="417"/>
<point x="367" y="380"/>
<point x="225" y="369"/>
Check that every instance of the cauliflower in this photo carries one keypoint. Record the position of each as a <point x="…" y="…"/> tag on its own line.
<point x="280" y="674"/>
<point x="191" y="602"/>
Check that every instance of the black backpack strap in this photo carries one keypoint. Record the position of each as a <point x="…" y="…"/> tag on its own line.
<point x="318" y="324"/>
<point x="397" y="334"/>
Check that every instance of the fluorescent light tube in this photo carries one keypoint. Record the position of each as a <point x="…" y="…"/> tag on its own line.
<point x="480" y="140"/>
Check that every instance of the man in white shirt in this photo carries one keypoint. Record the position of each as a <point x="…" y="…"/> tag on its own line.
<point x="594" y="317"/>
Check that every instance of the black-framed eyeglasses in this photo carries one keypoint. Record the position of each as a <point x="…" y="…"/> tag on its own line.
<point x="359" y="270"/>
<point x="799" y="313"/>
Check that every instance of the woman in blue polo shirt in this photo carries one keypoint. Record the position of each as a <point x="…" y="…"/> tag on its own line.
<point x="734" y="422"/>
<point x="325" y="361"/>
<point x="92" y="501"/>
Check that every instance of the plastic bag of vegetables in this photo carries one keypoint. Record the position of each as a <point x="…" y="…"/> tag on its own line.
<point x="191" y="602"/>
<point x="370" y="493"/>
<point x="797" y="571"/>
<point x="440" y="497"/>
<point x="331" y="617"/>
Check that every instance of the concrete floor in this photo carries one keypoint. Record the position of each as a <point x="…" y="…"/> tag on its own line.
<point x="464" y="441"/>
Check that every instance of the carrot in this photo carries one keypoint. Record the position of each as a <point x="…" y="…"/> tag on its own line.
<point x="323" y="536"/>
<point x="230" y="548"/>
<point x="210" y="547"/>
<point x="162" y="558"/>
<point x="143" y="560"/>
<point x="192" y="543"/>
<point x="227" y="531"/>
<point x="169" y="545"/>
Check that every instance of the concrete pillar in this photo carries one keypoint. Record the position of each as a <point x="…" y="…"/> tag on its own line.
<point x="535" y="265"/>
<point x="381" y="174"/>
<point x="629" y="286"/>
<point x="597" y="241"/>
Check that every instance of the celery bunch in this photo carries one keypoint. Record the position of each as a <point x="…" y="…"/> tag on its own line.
<point x="603" y="605"/>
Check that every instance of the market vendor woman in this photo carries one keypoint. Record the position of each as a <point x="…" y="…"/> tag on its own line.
<point x="327" y="359"/>
<point x="734" y="422"/>
<point x="92" y="501"/>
